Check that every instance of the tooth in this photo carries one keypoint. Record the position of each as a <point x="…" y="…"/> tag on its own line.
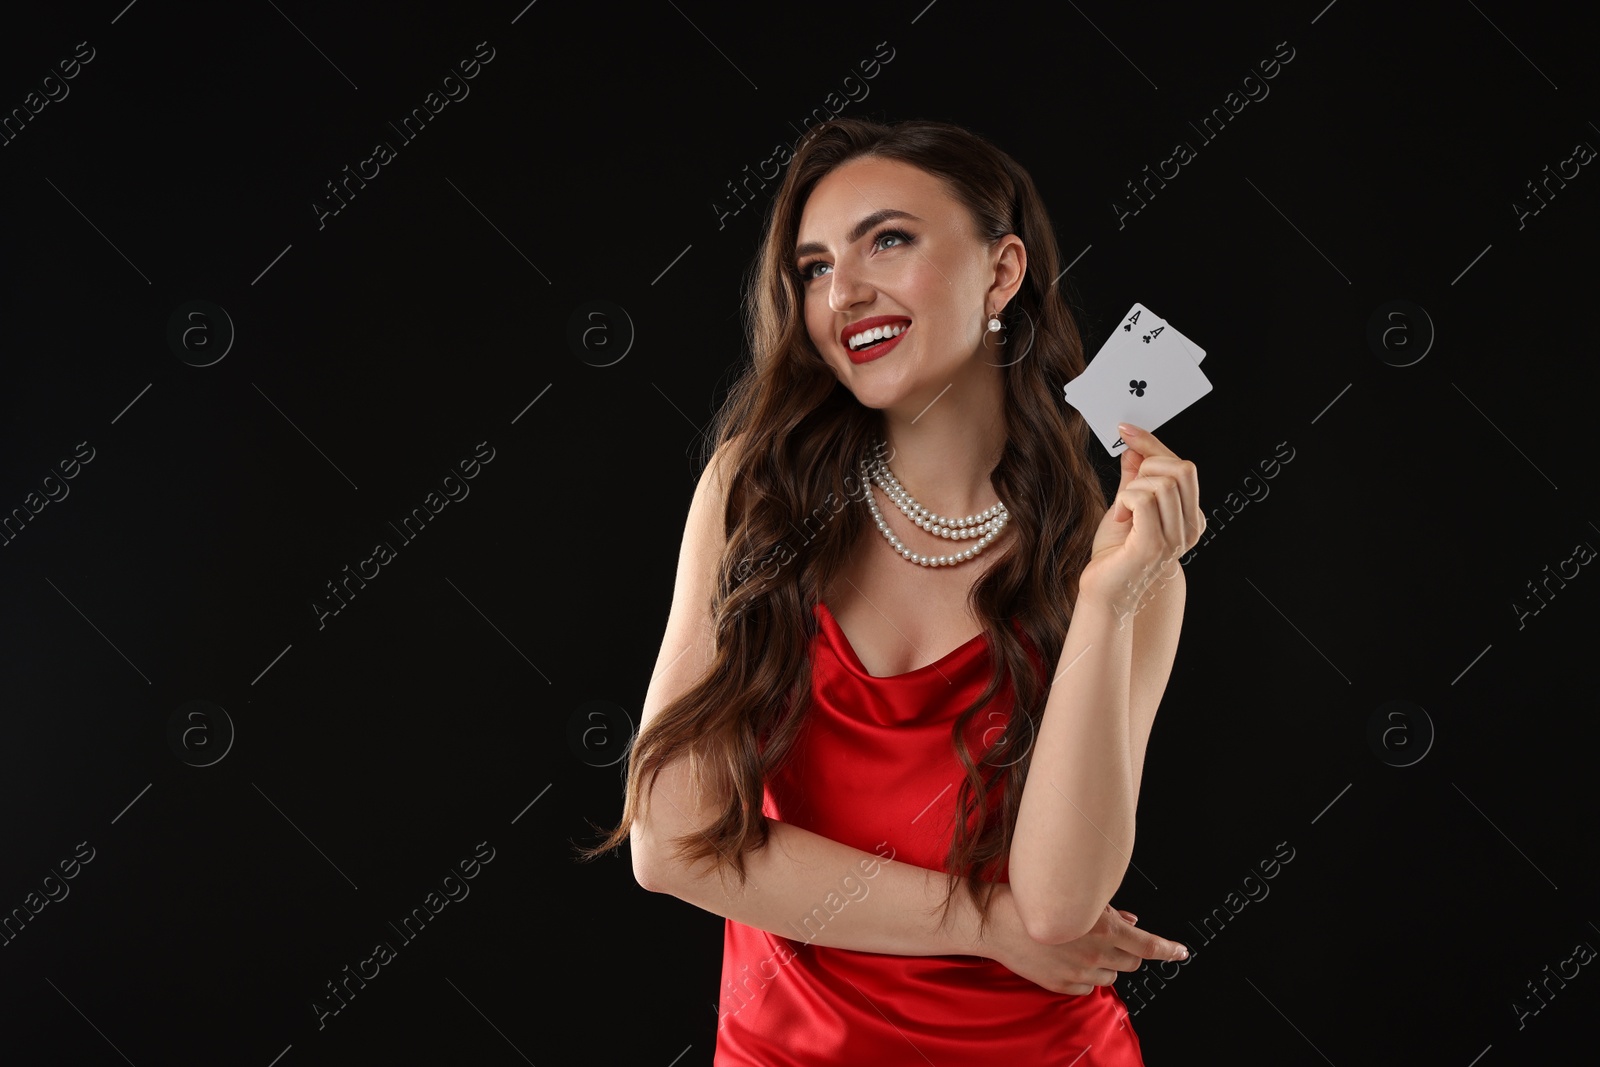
<point x="878" y="333"/>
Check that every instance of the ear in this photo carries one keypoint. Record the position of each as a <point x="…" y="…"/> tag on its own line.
<point x="1010" y="258"/>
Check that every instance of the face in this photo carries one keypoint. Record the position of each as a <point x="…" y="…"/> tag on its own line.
<point x="881" y="239"/>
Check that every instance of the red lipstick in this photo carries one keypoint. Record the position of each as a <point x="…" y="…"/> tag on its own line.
<point x="882" y="348"/>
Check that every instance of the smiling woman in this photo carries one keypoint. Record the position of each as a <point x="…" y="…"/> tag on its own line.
<point x="802" y="715"/>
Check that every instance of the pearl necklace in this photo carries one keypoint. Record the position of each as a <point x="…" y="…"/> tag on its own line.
<point x="986" y="525"/>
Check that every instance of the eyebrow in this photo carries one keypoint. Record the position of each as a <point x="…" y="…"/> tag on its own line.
<point x="859" y="230"/>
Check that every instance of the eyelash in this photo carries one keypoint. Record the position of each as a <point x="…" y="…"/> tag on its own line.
<point x="801" y="271"/>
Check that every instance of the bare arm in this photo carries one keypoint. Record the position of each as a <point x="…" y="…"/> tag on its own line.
<point x="1075" y="826"/>
<point x="811" y="888"/>
<point x="1155" y="648"/>
<point x="801" y="885"/>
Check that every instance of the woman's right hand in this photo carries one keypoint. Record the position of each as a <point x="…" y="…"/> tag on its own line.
<point x="1113" y="944"/>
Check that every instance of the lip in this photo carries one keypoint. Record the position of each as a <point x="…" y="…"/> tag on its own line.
<point x="867" y="355"/>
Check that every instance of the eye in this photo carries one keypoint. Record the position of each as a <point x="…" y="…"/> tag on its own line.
<point x="804" y="271"/>
<point x="901" y="234"/>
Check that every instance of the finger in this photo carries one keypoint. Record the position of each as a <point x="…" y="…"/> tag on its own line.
<point x="1173" y="534"/>
<point x="1130" y="466"/>
<point x="1124" y="961"/>
<point x="1096" y="976"/>
<point x="1166" y="508"/>
<point x="1152" y="947"/>
<point x="1147" y="444"/>
<point x="1132" y="497"/>
<point x="1194" y="515"/>
<point x="1154" y="509"/>
<point x="1130" y="916"/>
<point x="1188" y="478"/>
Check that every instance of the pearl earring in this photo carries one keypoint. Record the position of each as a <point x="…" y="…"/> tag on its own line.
<point x="994" y="322"/>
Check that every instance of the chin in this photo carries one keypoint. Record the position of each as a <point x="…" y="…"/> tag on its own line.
<point x="880" y="398"/>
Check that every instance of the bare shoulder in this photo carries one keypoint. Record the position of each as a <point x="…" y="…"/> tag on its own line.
<point x="688" y="648"/>
<point x="719" y="468"/>
<point x="687" y="645"/>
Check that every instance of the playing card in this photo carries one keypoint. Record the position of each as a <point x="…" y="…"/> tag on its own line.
<point x="1194" y="350"/>
<point x="1145" y="374"/>
<point x="1142" y="320"/>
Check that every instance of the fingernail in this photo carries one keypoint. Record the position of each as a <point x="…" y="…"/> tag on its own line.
<point x="1126" y="430"/>
<point x="1183" y="953"/>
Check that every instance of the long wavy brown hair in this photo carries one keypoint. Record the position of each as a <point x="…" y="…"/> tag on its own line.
<point x="794" y="433"/>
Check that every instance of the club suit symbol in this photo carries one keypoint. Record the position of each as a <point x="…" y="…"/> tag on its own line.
<point x="1147" y="337"/>
<point x="1137" y="387"/>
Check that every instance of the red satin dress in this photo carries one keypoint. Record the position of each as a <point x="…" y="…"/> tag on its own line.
<point x="873" y="767"/>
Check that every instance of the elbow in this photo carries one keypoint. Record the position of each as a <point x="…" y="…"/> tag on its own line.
<point x="647" y="866"/>
<point x="644" y="875"/>
<point x="1064" y="915"/>
<point x="1055" y="923"/>
<point x="1058" y="927"/>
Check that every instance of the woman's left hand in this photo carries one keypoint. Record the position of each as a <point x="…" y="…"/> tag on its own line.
<point x="1154" y="518"/>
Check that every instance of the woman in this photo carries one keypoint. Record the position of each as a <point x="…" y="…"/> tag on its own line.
<point x="924" y="844"/>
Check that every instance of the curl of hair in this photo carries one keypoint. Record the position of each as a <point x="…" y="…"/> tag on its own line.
<point x="793" y="434"/>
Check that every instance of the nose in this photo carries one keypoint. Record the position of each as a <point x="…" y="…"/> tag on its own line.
<point x="845" y="289"/>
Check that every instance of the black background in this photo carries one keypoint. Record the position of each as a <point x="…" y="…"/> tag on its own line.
<point x="436" y="710"/>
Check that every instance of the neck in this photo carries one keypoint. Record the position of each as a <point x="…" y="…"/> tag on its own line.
<point x="943" y="452"/>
